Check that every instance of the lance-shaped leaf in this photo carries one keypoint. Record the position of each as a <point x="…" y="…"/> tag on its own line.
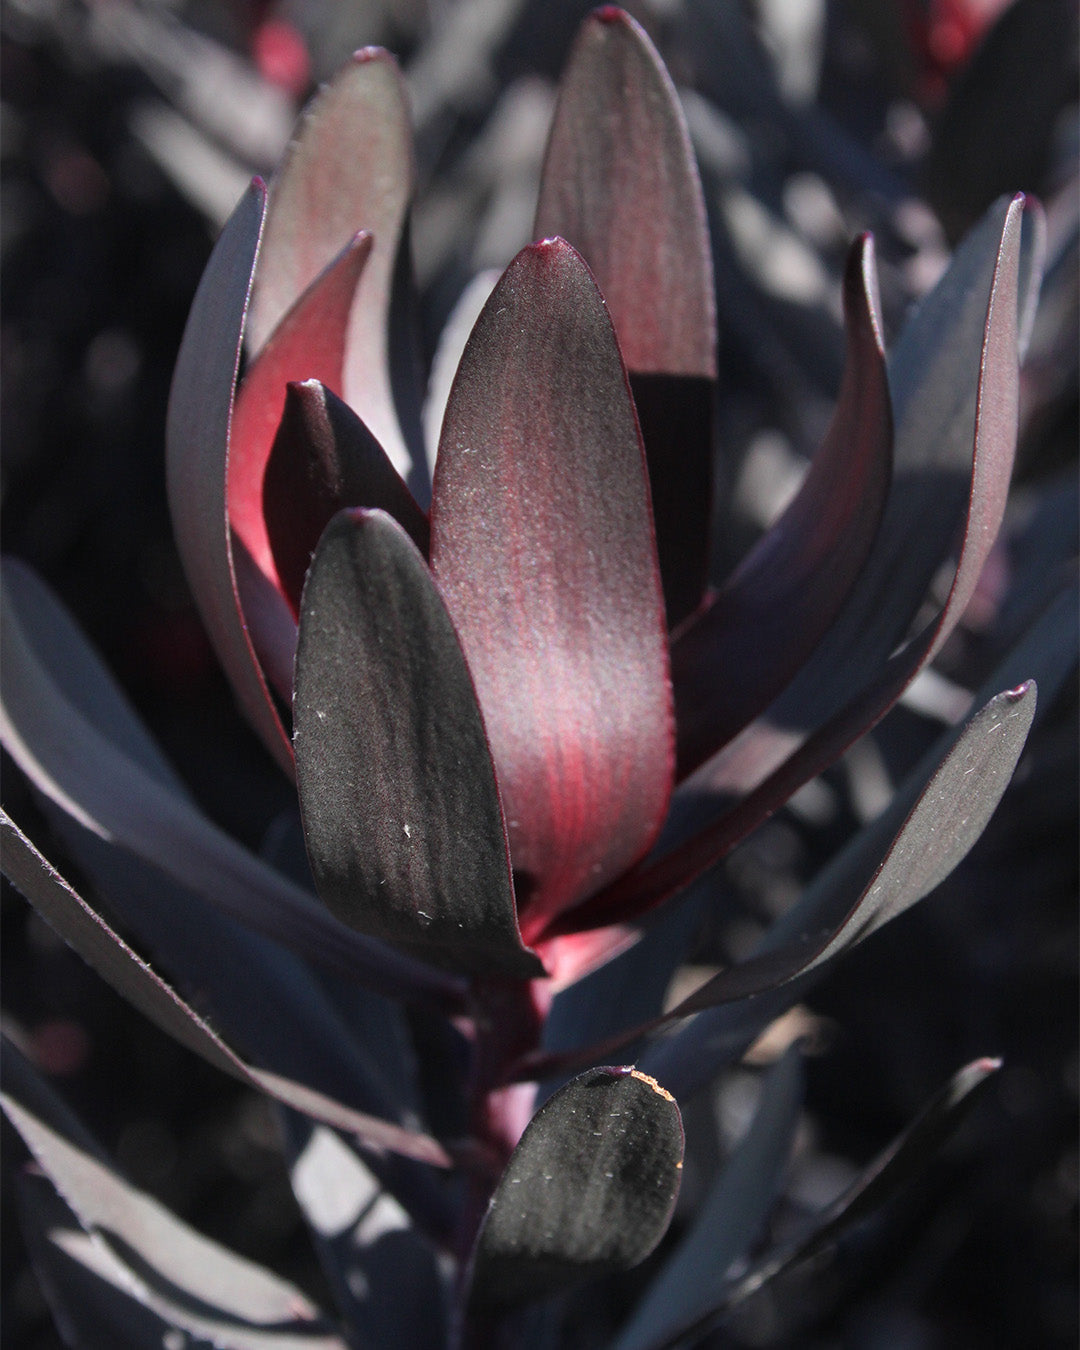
<point x="73" y="734"/>
<point x="729" y="1220"/>
<point x="171" y="1269"/>
<point x="68" y="914"/>
<point x="349" y="168"/>
<point x="620" y="184"/>
<point x="308" y="343"/>
<point x="323" y="459"/>
<point x="732" y="659"/>
<point x="401" y="810"/>
<point x="775" y="756"/>
<point x="589" y="1190"/>
<point x="542" y="546"/>
<point x="890" y="1172"/>
<point x="197" y="444"/>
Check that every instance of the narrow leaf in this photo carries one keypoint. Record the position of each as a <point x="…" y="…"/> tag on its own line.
<point x="620" y="184"/>
<point x="589" y="1190"/>
<point x="170" y="1268"/>
<point x="68" y="914"/>
<point x="197" y="444"/>
<point x="732" y="659"/>
<point x="323" y="459"/>
<point x="886" y="1176"/>
<point x="349" y="168"/>
<point x="106" y="790"/>
<point x="542" y="547"/>
<point x="308" y="343"/>
<point x="401" y="810"/>
<point x="729" y="1220"/>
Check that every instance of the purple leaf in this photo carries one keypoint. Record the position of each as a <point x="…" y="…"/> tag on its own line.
<point x="776" y="755"/>
<point x="197" y="443"/>
<point x="541" y="545"/>
<point x="82" y="762"/>
<point x="349" y="168"/>
<point x="308" y="343"/>
<point x="171" y="1269"/>
<point x="401" y="810"/>
<point x="730" y="1218"/>
<point x="731" y="659"/>
<point x="589" y="1190"/>
<point x="323" y="459"/>
<point x="620" y="184"/>
<point x="68" y="914"/>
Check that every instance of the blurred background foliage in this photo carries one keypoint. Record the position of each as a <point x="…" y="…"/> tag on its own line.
<point x="129" y="129"/>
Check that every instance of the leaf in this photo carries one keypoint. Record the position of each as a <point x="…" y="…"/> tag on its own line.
<point x="323" y="459"/>
<point x="102" y="787"/>
<point x="84" y="1285"/>
<point x="886" y="1176"/>
<point x="308" y="343"/>
<point x="178" y="1274"/>
<point x="732" y="658"/>
<point x="589" y="1190"/>
<point x="776" y="755"/>
<point x="401" y="809"/>
<point x="541" y="546"/>
<point x="197" y="445"/>
<point x="367" y="1244"/>
<point x="350" y="167"/>
<point x="729" y="1219"/>
<point x="83" y="928"/>
<point x="620" y="184"/>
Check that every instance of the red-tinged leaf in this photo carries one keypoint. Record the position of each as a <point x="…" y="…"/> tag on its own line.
<point x="729" y="1220"/>
<point x="776" y="755"/>
<point x="308" y="343"/>
<point x="68" y="914"/>
<point x="401" y="810"/>
<point x="589" y="1190"/>
<point x="71" y="731"/>
<point x="620" y="184"/>
<point x="323" y="459"/>
<point x="349" y="168"/>
<point x="542" y="546"/>
<point x="197" y="441"/>
<point x="733" y="658"/>
<point x="167" y="1266"/>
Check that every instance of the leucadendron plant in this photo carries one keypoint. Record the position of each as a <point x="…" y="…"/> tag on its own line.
<point x="523" y="729"/>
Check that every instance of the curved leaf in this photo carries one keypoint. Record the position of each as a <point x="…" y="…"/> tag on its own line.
<point x="589" y="1190"/>
<point x="733" y="658"/>
<point x="401" y="809"/>
<point x="541" y="545"/>
<point x="323" y="459"/>
<point x="197" y="445"/>
<point x="308" y="343"/>
<point x="93" y="778"/>
<point x="68" y="914"/>
<point x="620" y="183"/>
<point x="167" y="1266"/>
<point x="349" y="168"/>
<point x="730" y="1218"/>
<point x="777" y="754"/>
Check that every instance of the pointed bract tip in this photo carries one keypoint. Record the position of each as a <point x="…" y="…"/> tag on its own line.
<point x="610" y="14"/>
<point x="365" y="54"/>
<point x="988" y="1064"/>
<point x="1020" y="691"/>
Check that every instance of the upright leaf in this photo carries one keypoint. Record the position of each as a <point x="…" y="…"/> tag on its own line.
<point x="542" y="546"/>
<point x="401" y="810"/>
<point x="620" y="184"/>
<point x="349" y="168"/>
<point x="197" y="446"/>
